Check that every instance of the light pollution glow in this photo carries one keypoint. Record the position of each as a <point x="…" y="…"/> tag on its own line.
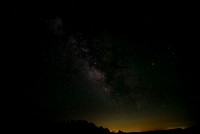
<point x="141" y="127"/>
<point x="143" y="124"/>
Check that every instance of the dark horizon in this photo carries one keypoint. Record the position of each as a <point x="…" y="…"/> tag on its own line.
<point x="125" y="67"/>
<point x="81" y="126"/>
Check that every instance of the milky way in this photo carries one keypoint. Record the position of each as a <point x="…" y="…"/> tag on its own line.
<point x="132" y="74"/>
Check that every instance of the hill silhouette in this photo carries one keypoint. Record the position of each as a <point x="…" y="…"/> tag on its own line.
<point x="82" y="126"/>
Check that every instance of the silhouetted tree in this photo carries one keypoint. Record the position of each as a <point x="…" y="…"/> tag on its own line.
<point x="120" y="132"/>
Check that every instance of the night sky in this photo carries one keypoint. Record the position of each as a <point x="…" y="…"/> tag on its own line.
<point x="122" y="67"/>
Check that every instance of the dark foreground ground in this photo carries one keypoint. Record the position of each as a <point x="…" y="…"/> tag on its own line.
<point x="84" y="127"/>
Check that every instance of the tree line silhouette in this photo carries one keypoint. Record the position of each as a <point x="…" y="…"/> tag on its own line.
<point x="85" y="127"/>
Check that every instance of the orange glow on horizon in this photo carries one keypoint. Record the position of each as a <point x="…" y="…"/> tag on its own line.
<point x="134" y="129"/>
<point x="143" y="127"/>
